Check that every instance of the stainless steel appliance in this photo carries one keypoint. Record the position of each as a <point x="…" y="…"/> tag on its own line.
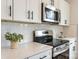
<point x="50" y="14"/>
<point x="60" y="46"/>
<point x="43" y="36"/>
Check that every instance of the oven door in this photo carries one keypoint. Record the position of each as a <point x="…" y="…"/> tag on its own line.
<point x="64" y="55"/>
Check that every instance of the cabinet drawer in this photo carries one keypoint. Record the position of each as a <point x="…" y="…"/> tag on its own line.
<point x="43" y="55"/>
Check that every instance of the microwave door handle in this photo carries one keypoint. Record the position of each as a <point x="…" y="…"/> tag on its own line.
<point x="59" y="17"/>
<point x="42" y="11"/>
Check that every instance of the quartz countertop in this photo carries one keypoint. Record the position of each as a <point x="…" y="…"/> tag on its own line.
<point x="23" y="51"/>
<point x="68" y="38"/>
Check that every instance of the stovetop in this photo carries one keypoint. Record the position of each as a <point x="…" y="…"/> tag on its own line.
<point x="57" y="42"/>
<point x="49" y="40"/>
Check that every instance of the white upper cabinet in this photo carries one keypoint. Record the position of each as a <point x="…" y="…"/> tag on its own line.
<point x="20" y="10"/>
<point x="30" y="10"/>
<point x="35" y="11"/>
<point x="6" y="10"/>
<point x="46" y="2"/>
<point x="27" y="10"/>
<point x="56" y="3"/>
<point x="64" y="7"/>
<point x="67" y="13"/>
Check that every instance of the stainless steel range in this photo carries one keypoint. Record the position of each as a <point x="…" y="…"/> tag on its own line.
<point x="46" y="37"/>
<point x="60" y="46"/>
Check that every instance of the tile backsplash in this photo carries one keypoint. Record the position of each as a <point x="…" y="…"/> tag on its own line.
<point x="26" y="30"/>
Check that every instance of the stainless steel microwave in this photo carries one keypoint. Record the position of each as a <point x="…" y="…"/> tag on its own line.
<point x="50" y="14"/>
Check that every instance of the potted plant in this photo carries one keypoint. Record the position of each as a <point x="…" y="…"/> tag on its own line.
<point x="14" y="38"/>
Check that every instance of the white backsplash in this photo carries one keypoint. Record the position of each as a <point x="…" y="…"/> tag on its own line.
<point x="26" y="30"/>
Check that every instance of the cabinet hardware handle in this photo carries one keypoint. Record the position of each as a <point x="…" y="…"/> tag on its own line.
<point x="65" y="21"/>
<point x="52" y="2"/>
<point x="32" y="15"/>
<point x="28" y="14"/>
<point x="10" y="10"/>
<point x="73" y="48"/>
<point x="43" y="57"/>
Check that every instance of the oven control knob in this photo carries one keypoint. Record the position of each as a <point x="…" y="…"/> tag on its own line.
<point x="57" y="48"/>
<point x="45" y="38"/>
<point x="66" y="44"/>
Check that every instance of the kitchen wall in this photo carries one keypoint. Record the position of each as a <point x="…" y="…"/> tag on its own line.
<point x="26" y="30"/>
<point x="71" y="31"/>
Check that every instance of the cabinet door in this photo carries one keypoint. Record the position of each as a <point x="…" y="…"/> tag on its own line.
<point x="72" y="51"/>
<point x="27" y="10"/>
<point x="43" y="55"/>
<point x="35" y="11"/>
<point x="64" y="7"/>
<point x="20" y="10"/>
<point x="46" y="2"/>
<point x="6" y="9"/>
<point x="56" y="3"/>
<point x="67" y="12"/>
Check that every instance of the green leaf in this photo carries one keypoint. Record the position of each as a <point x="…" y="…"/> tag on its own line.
<point x="14" y="37"/>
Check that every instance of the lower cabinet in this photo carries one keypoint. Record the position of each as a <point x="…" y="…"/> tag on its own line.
<point x="43" y="55"/>
<point x="72" y="48"/>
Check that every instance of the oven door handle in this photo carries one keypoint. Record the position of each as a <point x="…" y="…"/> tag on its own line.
<point x="43" y="57"/>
